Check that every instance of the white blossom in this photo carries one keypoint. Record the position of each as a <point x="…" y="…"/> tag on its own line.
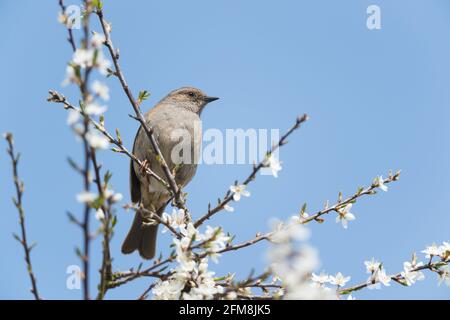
<point x="117" y="197"/>
<point x="339" y="280"/>
<point x="108" y="26"/>
<point x="108" y="193"/>
<point x="95" y="109"/>
<point x="379" y="277"/>
<point x="102" y="64"/>
<point x="320" y="279"/>
<point x="303" y="216"/>
<point x="176" y="220"/>
<point x="432" y="251"/>
<point x="97" y="140"/>
<point x="98" y="39"/>
<point x="345" y="216"/>
<point x="181" y="245"/>
<point x="86" y="197"/>
<point x="372" y="265"/>
<point x="63" y="18"/>
<point x="73" y="117"/>
<point x="238" y="191"/>
<point x="444" y="276"/>
<point x="189" y="270"/>
<point x="168" y="289"/>
<point x="83" y="57"/>
<point x="381" y="185"/>
<point x="273" y="163"/>
<point x="228" y="208"/>
<point x="384" y="278"/>
<point x="412" y="276"/>
<point x="186" y="264"/>
<point x="217" y="241"/>
<point x="99" y="214"/>
<point x="100" y="89"/>
<point x="232" y="295"/>
<point x="70" y="76"/>
<point x="190" y="232"/>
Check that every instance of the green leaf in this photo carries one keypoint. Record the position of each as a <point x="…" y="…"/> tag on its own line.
<point x="114" y="221"/>
<point x="221" y="278"/>
<point x="346" y="291"/>
<point x="401" y="281"/>
<point x="97" y="203"/>
<point x="440" y="264"/>
<point x="119" y="138"/>
<point x="78" y="253"/>
<point x="16" y="236"/>
<point x="303" y="210"/>
<point x="143" y="95"/>
<point x="107" y="176"/>
<point x="72" y="218"/>
<point x="98" y="4"/>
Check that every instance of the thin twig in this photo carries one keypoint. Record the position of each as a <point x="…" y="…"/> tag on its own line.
<point x="395" y="277"/>
<point x="153" y="271"/>
<point x="260" y="237"/>
<point x="106" y="268"/>
<point x="18" y="204"/>
<point x="342" y="203"/>
<point x="86" y="214"/>
<point x="69" y="30"/>
<point x="150" y="215"/>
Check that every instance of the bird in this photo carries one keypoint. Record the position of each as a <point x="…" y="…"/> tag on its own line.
<point x="173" y="121"/>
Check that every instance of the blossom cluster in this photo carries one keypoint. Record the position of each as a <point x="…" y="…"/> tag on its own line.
<point x="191" y="279"/>
<point x="88" y="59"/>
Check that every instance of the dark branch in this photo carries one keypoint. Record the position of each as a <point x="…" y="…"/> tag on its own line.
<point x="18" y="204"/>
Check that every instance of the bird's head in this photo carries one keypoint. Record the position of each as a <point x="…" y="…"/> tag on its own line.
<point x="190" y="98"/>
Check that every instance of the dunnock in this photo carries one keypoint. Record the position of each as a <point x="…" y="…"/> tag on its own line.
<point x="178" y="112"/>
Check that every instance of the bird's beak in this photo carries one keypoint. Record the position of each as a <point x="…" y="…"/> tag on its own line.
<point x="210" y="99"/>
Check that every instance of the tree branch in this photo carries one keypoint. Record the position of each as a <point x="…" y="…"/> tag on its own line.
<point x="395" y="277"/>
<point x="19" y="185"/>
<point x="342" y="203"/>
<point x="69" y="30"/>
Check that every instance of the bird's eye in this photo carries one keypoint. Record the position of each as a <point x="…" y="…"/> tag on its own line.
<point x="191" y="94"/>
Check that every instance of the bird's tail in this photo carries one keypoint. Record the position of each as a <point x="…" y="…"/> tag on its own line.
<point x="141" y="238"/>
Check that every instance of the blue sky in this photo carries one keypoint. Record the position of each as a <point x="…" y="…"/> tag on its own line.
<point x="378" y="100"/>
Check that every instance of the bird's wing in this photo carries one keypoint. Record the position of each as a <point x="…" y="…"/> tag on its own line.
<point x="135" y="184"/>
